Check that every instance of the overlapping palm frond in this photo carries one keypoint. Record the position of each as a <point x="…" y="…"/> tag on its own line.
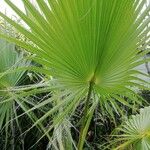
<point x="62" y="137"/>
<point x="135" y="132"/>
<point x="9" y="61"/>
<point x="88" y="46"/>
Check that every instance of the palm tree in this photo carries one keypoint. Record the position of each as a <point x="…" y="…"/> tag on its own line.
<point x="89" y="47"/>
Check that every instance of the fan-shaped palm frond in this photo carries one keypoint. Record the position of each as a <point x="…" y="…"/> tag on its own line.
<point x="135" y="132"/>
<point x="9" y="60"/>
<point x="87" y="46"/>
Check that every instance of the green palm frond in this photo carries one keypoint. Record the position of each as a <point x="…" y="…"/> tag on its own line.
<point x="9" y="60"/>
<point x="84" y="42"/>
<point x="89" y="46"/>
<point x="135" y="132"/>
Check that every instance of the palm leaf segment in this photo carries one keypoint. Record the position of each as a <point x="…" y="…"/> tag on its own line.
<point x="84" y="41"/>
<point x="136" y="131"/>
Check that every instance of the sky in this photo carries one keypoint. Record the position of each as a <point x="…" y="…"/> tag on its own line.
<point x="6" y="9"/>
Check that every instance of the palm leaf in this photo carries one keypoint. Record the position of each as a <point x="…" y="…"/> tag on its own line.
<point x="86" y="42"/>
<point x="9" y="60"/>
<point x="135" y="132"/>
<point x="76" y="60"/>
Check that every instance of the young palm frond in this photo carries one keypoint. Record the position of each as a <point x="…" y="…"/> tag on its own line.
<point x="88" y="46"/>
<point x="135" y="132"/>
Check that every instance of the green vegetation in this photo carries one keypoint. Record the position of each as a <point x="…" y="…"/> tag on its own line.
<point x="79" y="60"/>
